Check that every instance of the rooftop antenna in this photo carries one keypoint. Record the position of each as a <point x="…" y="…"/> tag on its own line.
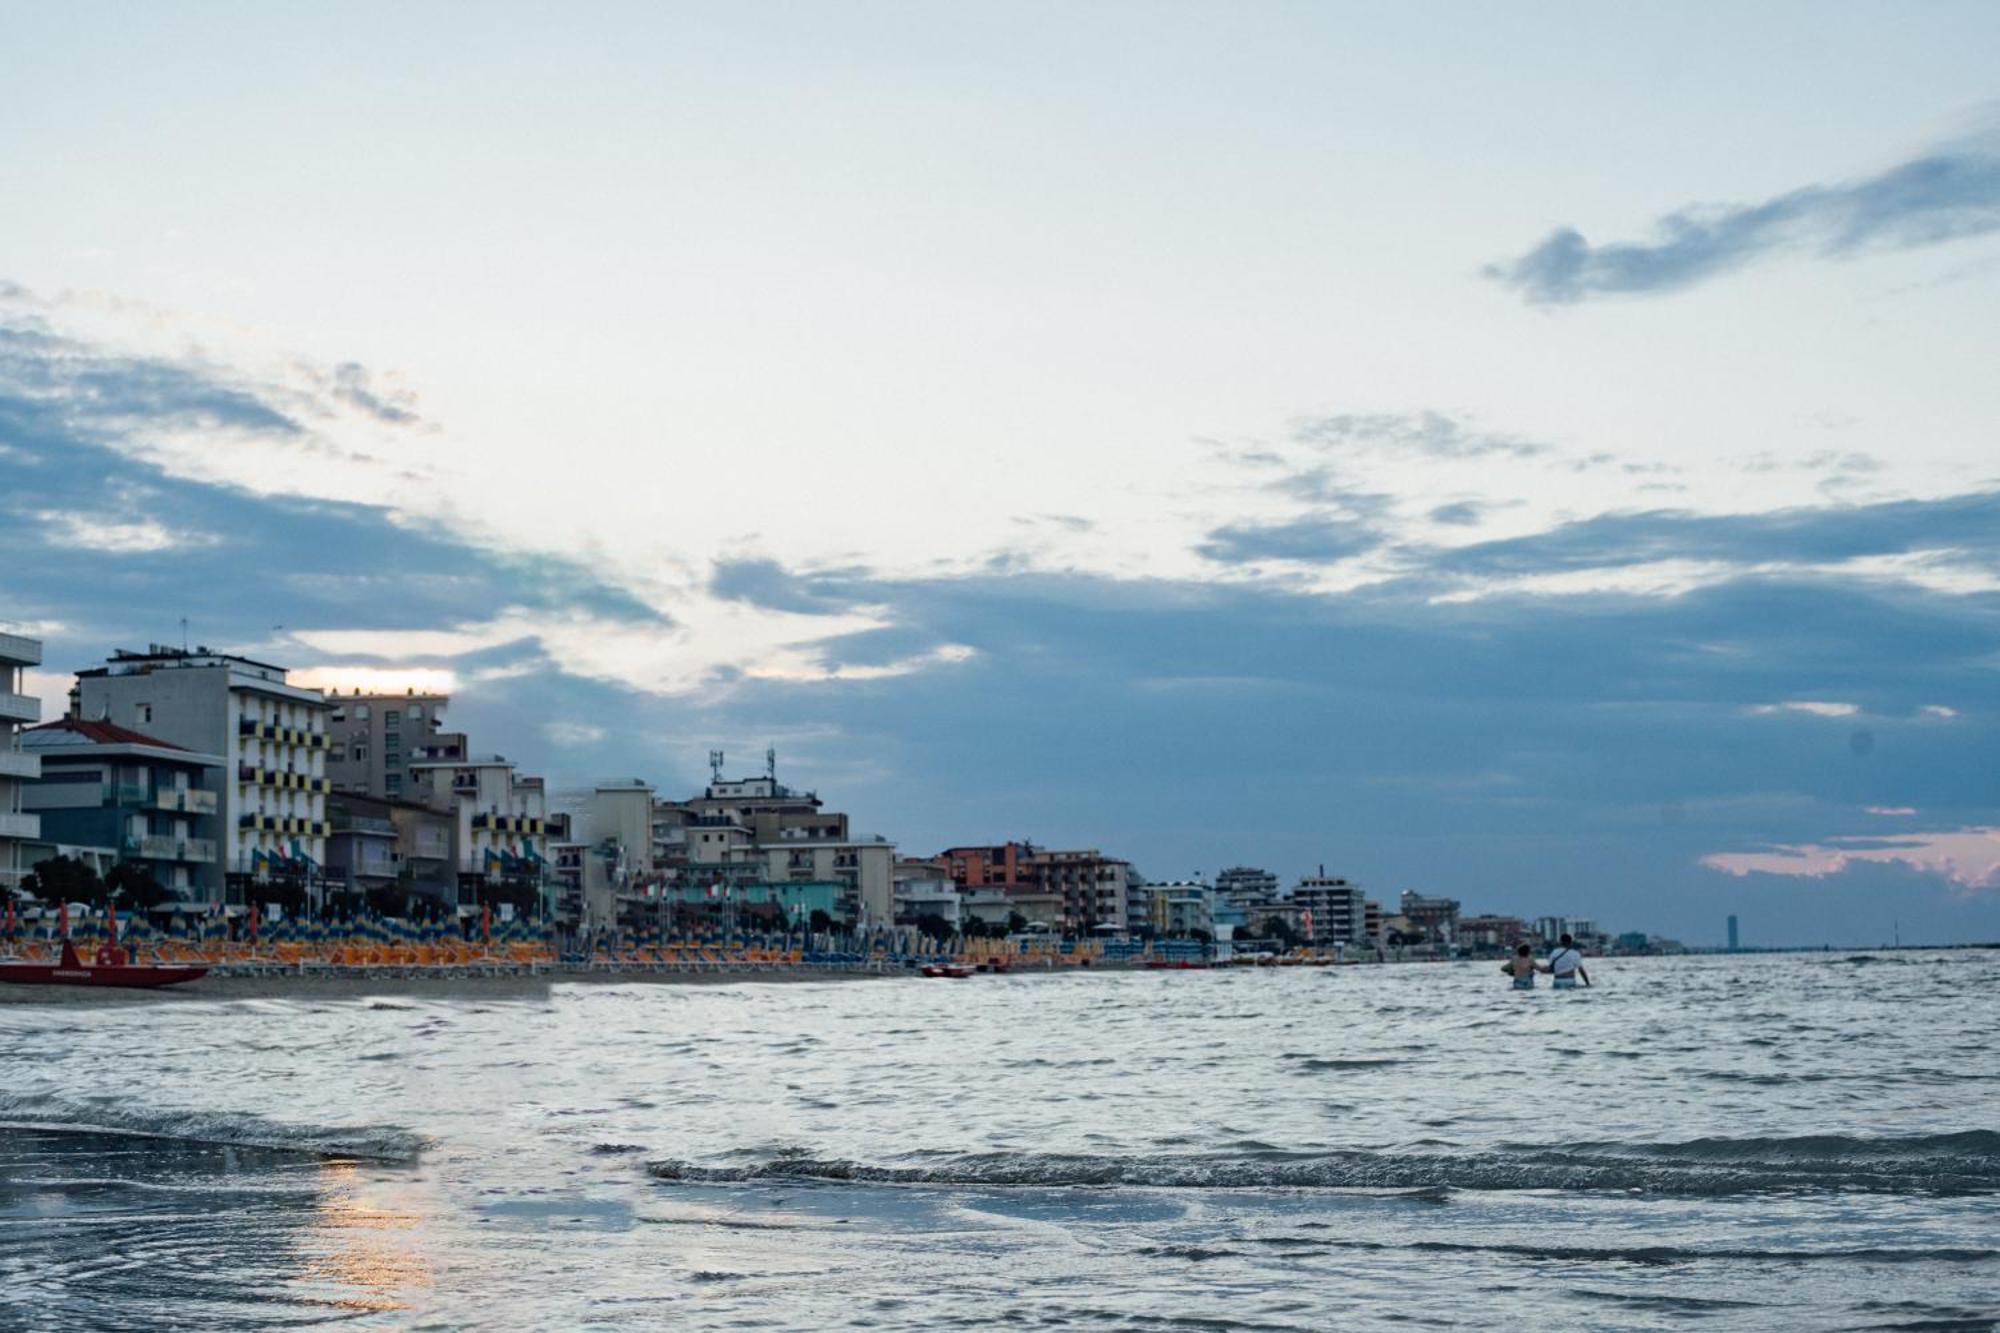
<point x="771" y="762"/>
<point x="715" y="765"/>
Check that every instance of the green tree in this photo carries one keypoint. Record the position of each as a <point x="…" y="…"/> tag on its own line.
<point x="933" y="926"/>
<point x="820" y="922"/>
<point x="1016" y="923"/>
<point x="1278" y="929"/>
<point x="131" y="885"/>
<point x="65" y="879"/>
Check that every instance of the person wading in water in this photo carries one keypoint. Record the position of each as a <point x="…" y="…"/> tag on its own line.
<point x="1566" y="965"/>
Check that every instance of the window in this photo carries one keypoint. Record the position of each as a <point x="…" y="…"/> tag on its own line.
<point x="416" y="712"/>
<point x="361" y="712"/>
<point x="144" y="713"/>
<point x="392" y="719"/>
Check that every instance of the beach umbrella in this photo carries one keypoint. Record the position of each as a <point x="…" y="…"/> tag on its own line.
<point x="486" y="922"/>
<point x="253" y="925"/>
<point x="62" y="918"/>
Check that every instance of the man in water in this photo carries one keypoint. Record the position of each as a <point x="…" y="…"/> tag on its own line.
<point x="1566" y="965"/>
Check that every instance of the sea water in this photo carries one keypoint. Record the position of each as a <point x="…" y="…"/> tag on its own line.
<point x="1807" y="1141"/>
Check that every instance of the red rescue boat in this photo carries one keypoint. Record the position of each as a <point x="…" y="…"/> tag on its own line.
<point x="109" y="966"/>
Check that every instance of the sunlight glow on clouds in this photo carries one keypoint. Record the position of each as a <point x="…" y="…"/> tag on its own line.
<point x="1969" y="858"/>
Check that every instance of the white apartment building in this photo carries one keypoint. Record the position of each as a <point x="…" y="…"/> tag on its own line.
<point x="865" y="868"/>
<point x="1338" y="910"/>
<point x="272" y="736"/>
<point x="1176" y="909"/>
<point x="501" y="820"/>
<point x="17" y="707"/>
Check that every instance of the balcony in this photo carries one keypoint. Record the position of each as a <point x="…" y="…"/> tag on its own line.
<point x="364" y="824"/>
<point x="14" y="648"/>
<point x="20" y="826"/>
<point x="16" y="764"/>
<point x="19" y="707"/>
<point x="187" y="801"/>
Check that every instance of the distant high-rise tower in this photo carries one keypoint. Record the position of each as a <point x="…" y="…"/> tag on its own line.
<point x="1732" y="934"/>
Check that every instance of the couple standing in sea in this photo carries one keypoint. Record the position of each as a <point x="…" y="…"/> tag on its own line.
<point x="1565" y="966"/>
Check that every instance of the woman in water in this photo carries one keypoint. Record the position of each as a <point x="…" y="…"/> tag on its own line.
<point x="1522" y="967"/>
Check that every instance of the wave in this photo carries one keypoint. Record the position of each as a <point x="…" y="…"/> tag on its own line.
<point x="382" y="1143"/>
<point x="1926" y="1164"/>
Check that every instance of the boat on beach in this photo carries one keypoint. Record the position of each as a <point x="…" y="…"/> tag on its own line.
<point x="111" y="965"/>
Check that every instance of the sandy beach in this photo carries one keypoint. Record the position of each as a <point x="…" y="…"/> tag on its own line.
<point x="510" y="987"/>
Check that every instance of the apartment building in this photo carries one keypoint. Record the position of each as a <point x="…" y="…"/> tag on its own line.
<point x="1331" y="910"/>
<point x="1095" y="888"/>
<point x="499" y="827"/>
<point x="270" y="735"/>
<point x="376" y="738"/>
<point x="17" y="706"/>
<point x="141" y="799"/>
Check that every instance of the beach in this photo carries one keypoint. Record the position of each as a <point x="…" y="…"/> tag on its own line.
<point x="1738" y="1144"/>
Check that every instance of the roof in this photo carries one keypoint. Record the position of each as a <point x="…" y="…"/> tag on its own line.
<point x="105" y="733"/>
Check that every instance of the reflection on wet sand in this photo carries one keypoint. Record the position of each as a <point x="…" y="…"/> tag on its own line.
<point x="363" y="1246"/>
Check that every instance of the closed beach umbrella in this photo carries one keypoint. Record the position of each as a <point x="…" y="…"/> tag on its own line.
<point x="486" y="922"/>
<point x="62" y="919"/>
<point x="253" y="923"/>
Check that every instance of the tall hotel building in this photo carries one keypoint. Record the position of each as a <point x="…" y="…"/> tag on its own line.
<point x="271" y="735"/>
<point x="16" y="769"/>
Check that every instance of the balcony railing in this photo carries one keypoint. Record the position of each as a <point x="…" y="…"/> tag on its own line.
<point x="312" y="828"/>
<point x="19" y="707"/>
<point x="20" y="826"/>
<point x="167" y="847"/>
<point x="20" y="764"/>
<point x="14" y="648"/>
<point x="282" y="779"/>
<point x="186" y="800"/>
<point x="251" y="728"/>
<point x="363" y="824"/>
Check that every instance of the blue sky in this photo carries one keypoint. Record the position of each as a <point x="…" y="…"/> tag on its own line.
<point x="1544" y="455"/>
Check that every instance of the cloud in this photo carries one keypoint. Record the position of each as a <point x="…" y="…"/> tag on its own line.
<point x="128" y="536"/>
<point x="1314" y="540"/>
<point x="1967" y="525"/>
<point x="1814" y="707"/>
<point x="1425" y="434"/>
<point x="766" y="583"/>
<point x="1461" y="513"/>
<point x="1966" y="857"/>
<point x="573" y="733"/>
<point x="1947" y="194"/>
<point x="1888" y="811"/>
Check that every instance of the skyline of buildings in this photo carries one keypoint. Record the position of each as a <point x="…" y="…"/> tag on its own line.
<point x="229" y="784"/>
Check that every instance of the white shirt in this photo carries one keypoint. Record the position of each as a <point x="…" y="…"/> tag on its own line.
<point x="1564" y="962"/>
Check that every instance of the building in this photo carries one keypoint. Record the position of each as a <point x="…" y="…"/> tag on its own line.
<point x="375" y="738"/>
<point x="980" y="867"/>
<point x="17" y="827"/>
<point x="1178" y="909"/>
<point x="864" y="867"/>
<point x="361" y="851"/>
<point x="998" y="905"/>
<point x="1331" y="910"/>
<point x="1734" y="943"/>
<point x="499" y="828"/>
<point x="271" y="735"/>
<point x="145" y="801"/>
<point x="1095" y="888"/>
<point x="922" y="890"/>
<point x="1581" y="929"/>
<point x="1247" y="888"/>
<point x="1436" y="919"/>
<point x="614" y="828"/>
<point x="1493" y="932"/>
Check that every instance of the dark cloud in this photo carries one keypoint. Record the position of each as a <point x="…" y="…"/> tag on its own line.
<point x="353" y="385"/>
<point x="1461" y="513"/>
<point x="1968" y="523"/>
<point x="1951" y="193"/>
<point x="1319" y="540"/>
<point x="233" y="563"/>
<point x="768" y="584"/>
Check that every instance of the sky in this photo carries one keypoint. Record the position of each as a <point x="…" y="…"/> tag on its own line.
<point x="1541" y="454"/>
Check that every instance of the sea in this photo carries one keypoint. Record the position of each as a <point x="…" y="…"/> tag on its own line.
<point x="1806" y="1141"/>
